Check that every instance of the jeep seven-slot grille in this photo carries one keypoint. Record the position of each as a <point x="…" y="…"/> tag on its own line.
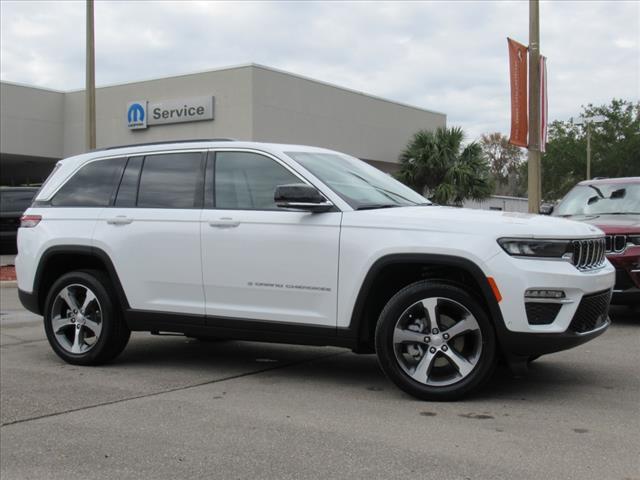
<point x="589" y="254"/>
<point x="591" y="313"/>
<point x="616" y="243"/>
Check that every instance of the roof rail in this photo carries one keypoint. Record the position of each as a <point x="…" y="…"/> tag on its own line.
<point x="193" y="140"/>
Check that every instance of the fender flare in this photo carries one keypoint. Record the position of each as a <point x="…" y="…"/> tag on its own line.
<point x="469" y="266"/>
<point x="84" y="250"/>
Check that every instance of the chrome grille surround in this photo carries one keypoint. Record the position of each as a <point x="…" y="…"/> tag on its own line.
<point x="589" y="254"/>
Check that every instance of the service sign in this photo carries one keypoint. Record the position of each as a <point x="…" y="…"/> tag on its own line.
<point x="141" y="114"/>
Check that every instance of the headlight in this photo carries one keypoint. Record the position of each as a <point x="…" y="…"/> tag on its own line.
<point x="634" y="239"/>
<point x="519" y="247"/>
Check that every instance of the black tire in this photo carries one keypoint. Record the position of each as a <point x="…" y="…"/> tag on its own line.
<point x="485" y="341"/>
<point x="114" y="333"/>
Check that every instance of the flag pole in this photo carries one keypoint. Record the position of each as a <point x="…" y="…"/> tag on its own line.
<point x="534" y="181"/>
<point x="90" y="82"/>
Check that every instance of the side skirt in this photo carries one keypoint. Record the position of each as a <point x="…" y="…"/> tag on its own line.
<point x="239" y="329"/>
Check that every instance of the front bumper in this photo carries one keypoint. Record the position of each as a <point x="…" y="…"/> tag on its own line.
<point x="518" y="344"/>
<point x="577" y="318"/>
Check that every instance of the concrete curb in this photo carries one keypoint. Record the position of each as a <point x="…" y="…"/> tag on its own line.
<point x="8" y="283"/>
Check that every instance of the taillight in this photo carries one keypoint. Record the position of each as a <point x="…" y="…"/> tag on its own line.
<point x="30" y="221"/>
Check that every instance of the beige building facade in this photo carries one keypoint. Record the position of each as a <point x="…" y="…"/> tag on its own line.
<point x="250" y="102"/>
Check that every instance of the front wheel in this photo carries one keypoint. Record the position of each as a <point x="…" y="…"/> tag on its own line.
<point x="435" y="341"/>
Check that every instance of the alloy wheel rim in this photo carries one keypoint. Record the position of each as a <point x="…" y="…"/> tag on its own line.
<point x="76" y="319"/>
<point x="437" y="341"/>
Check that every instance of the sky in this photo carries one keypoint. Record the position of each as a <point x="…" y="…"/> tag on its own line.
<point x="447" y="56"/>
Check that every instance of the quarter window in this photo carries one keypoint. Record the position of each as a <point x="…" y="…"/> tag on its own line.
<point x="92" y="186"/>
<point x="171" y="181"/>
<point x="247" y="181"/>
<point x="128" y="191"/>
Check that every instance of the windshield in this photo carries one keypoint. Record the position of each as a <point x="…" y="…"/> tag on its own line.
<point x="359" y="184"/>
<point x="601" y="199"/>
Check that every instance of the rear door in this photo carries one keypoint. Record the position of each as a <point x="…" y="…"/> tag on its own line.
<point x="261" y="262"/>
<point x="152" y="232"/>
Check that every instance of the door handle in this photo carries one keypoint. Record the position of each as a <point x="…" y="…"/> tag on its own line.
<point x="225" y="222"/>
<point x="119" y="220"/>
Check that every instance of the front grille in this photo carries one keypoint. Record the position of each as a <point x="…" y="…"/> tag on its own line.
<point x="615" y="243"/>
<point x="539" y="313"/>
<point x="589" y="254"/>
<point x="592" y="312"/>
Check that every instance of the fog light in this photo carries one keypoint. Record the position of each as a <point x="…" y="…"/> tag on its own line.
<point x="535" y="293"/>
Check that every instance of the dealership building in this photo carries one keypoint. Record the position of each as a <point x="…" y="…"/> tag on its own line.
<point x="38" y="126"/>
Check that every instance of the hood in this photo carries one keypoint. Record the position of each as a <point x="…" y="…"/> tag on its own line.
<point x="612" y="224"/>
<point x="464" y="220"/>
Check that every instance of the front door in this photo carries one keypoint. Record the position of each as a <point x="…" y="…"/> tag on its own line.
<point x="261" y="262"/>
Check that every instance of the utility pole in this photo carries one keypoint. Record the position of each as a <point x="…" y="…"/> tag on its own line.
<point x="90" y="83"/>
<point x="534" y="184"/>
<point x="588" y="151"/>
<point x="588" y="123"/>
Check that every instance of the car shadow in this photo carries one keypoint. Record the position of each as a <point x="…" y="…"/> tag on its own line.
<point x="548" y="378"/>
<point x="624" y="315"/>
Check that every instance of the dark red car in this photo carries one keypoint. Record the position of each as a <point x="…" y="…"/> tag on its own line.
<point x="613" y="205"/>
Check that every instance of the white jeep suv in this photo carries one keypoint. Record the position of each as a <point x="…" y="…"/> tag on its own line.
<point x="296" y="244"/>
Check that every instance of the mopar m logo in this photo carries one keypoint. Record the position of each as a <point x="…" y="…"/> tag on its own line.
<point x="137" y="115"/>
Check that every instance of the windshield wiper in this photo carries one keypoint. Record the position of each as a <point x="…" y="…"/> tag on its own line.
<point x="384" y="191"/>
<point x="374" y="206"/>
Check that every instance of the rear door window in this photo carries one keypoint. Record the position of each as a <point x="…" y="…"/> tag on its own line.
<point x="172" y="180"/>
<point x="91" y="186"/>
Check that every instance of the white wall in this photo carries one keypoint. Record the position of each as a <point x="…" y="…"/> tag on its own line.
<point x="232" y="110"/>
<point x="291" y="109"/>
<point x="251" y="103"/>
<point x="31" y="121"/>
<point x="500" y="202"/>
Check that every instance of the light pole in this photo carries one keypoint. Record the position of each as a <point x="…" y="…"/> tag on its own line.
<point x="587" y="122"/>
<point x="534" y="182"/>
<point x="90" y="83"/>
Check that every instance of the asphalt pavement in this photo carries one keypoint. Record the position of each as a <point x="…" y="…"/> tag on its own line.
<point x="172" y="407"/>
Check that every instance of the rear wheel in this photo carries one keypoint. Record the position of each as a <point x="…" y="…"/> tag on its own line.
<point x="435" y="342"/>
<point x="81" y="319"/>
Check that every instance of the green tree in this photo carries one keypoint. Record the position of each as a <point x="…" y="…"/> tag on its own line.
<point x="505" y="161"/>
<point x="439" y="165"/>
<point x="615" y="148"/>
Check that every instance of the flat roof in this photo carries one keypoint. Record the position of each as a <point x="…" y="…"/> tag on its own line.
<point x="236" y="67"/>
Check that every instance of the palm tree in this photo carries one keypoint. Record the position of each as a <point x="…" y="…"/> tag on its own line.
<point x="438" y="165"/>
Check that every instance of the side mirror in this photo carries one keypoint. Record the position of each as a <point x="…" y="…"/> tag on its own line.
<point x="300" y="196"/>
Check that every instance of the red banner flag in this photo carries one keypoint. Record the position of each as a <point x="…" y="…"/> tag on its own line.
<point x="518" y="77"/>
<point x="544" y="103"/>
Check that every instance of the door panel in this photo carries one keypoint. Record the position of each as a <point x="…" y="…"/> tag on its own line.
<point x="156" y="253"/>
<point x="266" y="265"/>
